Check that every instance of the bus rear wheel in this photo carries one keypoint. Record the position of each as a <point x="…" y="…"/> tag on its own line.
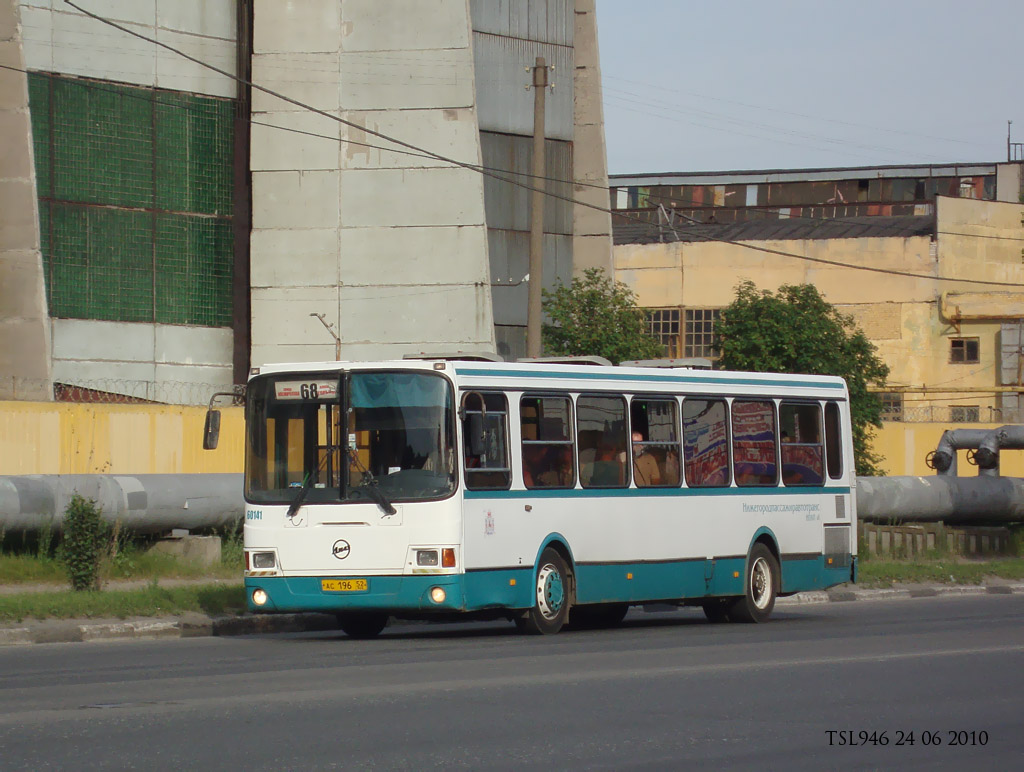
<point x="552" y="597"/>
<point x="362" y="624"/>
<point x="761" y="587"/>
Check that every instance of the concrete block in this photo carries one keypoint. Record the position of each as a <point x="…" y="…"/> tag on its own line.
<point x="453" y="133"/>
<point x="281" y="316"/>
<point x="289" y="258"/>
<point x="283" y="351"/>
<point x="428" y="256"/>
<point x="450" y="315"/>
<point x="190" y="384"/>
<point x="410" y="197"/>
<point x="404" y="25"/>
<point x="204" y="550"/>
<point x="157" y="628"/>
<point x="15" y="144"/>
<point x="278" y="150"/>
<point x="295" y="199"/>
<point x="378" y="80"/>
<point x="180" y="345"/>
<point x="13" y="85"/>
<point x="107" y="631"/>
<point x="91" y="340"/>
<point x="310" y="78"/>
<point x="141" y="12"/>
<point x="132" y="378"/>
<point x="309" y="26"/>
<point x="212" y="18"/>
<point x="84" y="46"/>
<point x="18" y="229"/>
<point x="21" y="285"/>
<point x="179" y="74"/>
<point x="15" y="636"/>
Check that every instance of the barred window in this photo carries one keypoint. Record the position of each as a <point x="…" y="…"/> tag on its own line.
<point x="663" y="324"/>
<point x="964" y="414"/>
<point x="699" y="333"/>
<point x="892" y="406"/>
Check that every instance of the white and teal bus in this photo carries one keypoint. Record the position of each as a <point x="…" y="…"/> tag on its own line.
<point x="543" y="493"/>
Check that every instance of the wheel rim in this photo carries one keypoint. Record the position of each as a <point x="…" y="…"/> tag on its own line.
<point x="550" y="591"/>
<point x="761" y="583"/>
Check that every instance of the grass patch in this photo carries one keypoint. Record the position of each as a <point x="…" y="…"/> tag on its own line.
<point x="945" y="570"/>
<point x="151" y="601"/>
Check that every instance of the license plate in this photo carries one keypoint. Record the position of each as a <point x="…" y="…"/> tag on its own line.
<point x="344" y="585"/>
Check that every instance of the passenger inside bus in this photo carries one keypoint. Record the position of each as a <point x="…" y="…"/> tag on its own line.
<point x="646" y="470"/>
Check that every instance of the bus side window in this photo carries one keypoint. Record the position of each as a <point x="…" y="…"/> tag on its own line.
<point x="706" y="442"/>
<point x="753" y="442"/>
<point x="485" y="441"/>
<point x="655" y="442"/>
<point x="601" y="429"/>
<point x="546" y="427"/>
<point x="833" y="441"/>
<point x="802" y="449"/>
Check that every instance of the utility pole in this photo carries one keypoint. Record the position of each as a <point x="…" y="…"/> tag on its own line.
<point x="533" y="307"/>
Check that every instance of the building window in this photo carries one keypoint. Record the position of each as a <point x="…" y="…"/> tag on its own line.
<point x="964" y="414"/>
<point x="663" y="324"/>
<point x="963" y="351"/>
<point x="892" y="406"/>
<point x="699" y="333"/>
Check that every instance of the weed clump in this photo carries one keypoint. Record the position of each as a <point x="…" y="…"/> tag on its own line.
<point x="83" y="543"/>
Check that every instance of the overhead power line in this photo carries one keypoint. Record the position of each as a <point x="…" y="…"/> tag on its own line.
<point x="471" y="167"/>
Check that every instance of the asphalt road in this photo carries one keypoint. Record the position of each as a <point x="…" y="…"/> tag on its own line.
<point x="664" y="691"/>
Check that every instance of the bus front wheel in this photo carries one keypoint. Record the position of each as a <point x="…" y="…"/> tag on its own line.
<point x="761" y="587"/>
<point x="362" y="624"/>
<point x="552" y="597"/>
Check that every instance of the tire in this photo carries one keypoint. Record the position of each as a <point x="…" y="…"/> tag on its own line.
<point x="717" y="610"/>
<point x="761" y="587"/>
<point x="363" y="624"/>
<point x="597" y="616"/>
<point x="553" y="597"/>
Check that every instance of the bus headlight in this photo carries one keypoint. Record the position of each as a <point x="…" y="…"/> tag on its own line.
<point x="426" y="557"/>
<point x="437" y="594"/>
<point x="263" y="560"/>
<point x="259" y="597"/>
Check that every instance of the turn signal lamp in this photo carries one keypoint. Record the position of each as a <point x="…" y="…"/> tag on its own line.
<point x="448" y="557"/>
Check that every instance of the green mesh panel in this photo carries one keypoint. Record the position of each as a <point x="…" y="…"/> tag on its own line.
<point x="135" y="189"/>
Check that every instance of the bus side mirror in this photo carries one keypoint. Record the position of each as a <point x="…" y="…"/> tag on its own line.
<point x="211" y="431"/>
<point x="475" y="434"/>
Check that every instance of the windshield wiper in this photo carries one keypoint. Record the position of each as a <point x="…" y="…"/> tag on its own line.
<point x="369" y="483"/>
<point x="307" y="483"/>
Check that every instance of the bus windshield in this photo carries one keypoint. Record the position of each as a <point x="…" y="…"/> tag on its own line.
<point x="337" y="438"/>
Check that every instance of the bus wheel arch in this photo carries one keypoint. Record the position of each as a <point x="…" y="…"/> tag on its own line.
<point x="553" y="593"/>
<point x="762" y="581"/>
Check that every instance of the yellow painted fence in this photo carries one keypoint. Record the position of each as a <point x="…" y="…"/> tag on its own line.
<point x="71" y="438"/>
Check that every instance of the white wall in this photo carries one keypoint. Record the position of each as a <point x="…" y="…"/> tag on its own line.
<point x="390" y="247"/>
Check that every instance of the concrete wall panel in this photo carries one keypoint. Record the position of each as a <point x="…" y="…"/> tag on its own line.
<point x="192" y="346"/>
<point x="428" y="256"/>
<point x="295" y="199"/>
<point x="452" y="132"/>
<point x="311" y="26"/>
<point x="282" y="316"/>
<point x="415" y="315"/>
<point x="546" y="21"/>
<point x="179" y="74"/>
<point x="286" y="258"/>
<point x="409" y="197"/>
<point x="402" y="25"/>
<point x="283" y="149"/>
<point x="437" y="78"/>
<point x="309" y="78"/>
<point x="216" y="18"/>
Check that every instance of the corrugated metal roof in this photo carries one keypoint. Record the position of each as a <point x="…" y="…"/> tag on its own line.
<point x="755" y="176"/>
<point x="791" y="229"/>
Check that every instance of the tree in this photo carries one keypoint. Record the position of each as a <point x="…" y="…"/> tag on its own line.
<point x="597" y="317"/>
<point x="797" y="331"/>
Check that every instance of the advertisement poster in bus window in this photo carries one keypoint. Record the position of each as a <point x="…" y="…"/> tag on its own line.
<point x="704" y="446"/>
<point x="802" y="465"/>
<point x="753" y="426"/>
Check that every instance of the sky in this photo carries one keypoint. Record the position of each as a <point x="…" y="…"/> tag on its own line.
<point x="765" y="84"/>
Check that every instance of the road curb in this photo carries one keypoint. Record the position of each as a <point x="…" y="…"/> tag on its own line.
<point x="195" y="625"/>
